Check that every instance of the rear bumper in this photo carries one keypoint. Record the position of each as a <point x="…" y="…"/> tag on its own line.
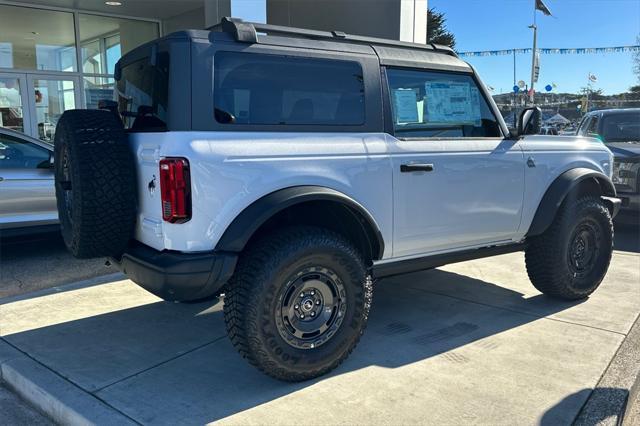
<point x="177" y="276"/>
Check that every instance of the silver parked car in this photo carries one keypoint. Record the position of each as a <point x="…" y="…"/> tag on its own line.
<point x="27" y="195"/>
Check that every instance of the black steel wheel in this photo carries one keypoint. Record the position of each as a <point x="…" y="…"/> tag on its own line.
<point x="584" y="248"/>
<point x="311" y="307"/>
<point x="298" y="302"/>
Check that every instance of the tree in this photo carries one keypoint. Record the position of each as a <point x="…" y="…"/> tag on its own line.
<point x="437" y="31"/>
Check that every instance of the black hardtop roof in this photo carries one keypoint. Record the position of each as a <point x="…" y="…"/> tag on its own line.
<point x="248" y="32"/>
<point x="390" y="52"/>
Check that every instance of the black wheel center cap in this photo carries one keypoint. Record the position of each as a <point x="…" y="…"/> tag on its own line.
<point x="307" y="305"/>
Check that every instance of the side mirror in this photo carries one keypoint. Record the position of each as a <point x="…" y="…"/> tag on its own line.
<point x="529" y="121"/>
<point x="47" y="164"/>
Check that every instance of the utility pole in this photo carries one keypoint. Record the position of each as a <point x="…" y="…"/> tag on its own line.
<point x="515" y="95"/>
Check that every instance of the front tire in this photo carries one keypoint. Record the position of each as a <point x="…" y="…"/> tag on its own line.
<point x="570" y="259"/>
<point x="298" y="303"/>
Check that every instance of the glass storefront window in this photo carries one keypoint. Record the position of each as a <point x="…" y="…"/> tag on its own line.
<point x="11" y="113"/>
<point x="97" y="89"/>
<point x="37" y="45"/>
<point x="36" y="39"/>
<point x="53" y="97"/>
<point x="104" y="39"/>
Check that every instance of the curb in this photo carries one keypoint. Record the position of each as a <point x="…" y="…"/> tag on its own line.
<point x="54" y="396"/>
<point x="616" y="394"/>
<point x="632" y="413"/>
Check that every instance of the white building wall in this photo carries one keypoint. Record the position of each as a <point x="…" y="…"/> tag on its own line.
<point x="394" y="19"/>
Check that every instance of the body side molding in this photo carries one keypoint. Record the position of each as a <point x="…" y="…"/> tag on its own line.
<point x="400" y="267"/>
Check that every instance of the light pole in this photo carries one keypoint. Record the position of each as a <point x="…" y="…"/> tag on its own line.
<point x="535" y="66"/>
<point x="533" y="58"/>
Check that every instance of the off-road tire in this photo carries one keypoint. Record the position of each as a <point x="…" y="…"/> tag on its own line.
<point x="95" y="183"/>
<point x="550" y="257"/>
<point x="252" y="300"/>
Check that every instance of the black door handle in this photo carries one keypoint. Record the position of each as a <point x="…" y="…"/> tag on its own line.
<point x="416" y="167"/>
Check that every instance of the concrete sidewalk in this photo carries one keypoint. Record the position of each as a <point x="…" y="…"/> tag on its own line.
<point x="468" y="343"/>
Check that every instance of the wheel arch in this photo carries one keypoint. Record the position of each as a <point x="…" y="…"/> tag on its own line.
<point x="313" y="205"/>
<point x="573" y="182"/>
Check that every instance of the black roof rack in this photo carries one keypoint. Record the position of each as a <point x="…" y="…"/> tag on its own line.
<point x="247" y="32"/>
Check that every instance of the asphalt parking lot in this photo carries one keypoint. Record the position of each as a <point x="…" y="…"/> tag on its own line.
<point x="41" y="261"/>
<point x="468" y="343"/>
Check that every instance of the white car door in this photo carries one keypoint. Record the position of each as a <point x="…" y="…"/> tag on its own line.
<point x="458" y="182"/>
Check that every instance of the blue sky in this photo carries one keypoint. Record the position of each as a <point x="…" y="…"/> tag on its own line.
<point x="502" y="24"/>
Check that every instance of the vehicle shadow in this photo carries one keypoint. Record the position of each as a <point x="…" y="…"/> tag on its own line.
<point x="166" y="363"/>
<point x="627" y="236"/>
<point x="609" y="403"/>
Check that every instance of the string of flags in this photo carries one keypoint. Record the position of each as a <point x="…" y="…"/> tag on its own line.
<point x="554" y="51"/>
<point x="572" y="101"/>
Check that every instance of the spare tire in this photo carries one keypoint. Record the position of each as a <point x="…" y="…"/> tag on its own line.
<point x="95" y="183"/>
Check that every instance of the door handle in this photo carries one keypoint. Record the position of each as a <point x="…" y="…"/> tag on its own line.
<point x="416" y="167"/>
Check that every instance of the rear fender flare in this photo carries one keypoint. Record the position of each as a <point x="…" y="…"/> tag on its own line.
<point x="244" y="226"/>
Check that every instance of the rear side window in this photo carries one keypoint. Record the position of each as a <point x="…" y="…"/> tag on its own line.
<point x="143" y="92"/>
<point x="429" y="104"/>
<point x="284" y="90"/>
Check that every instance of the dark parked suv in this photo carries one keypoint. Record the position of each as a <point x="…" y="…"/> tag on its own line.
<point x="619" y="129"/>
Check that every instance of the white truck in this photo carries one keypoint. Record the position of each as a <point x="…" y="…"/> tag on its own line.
<point x="289" y="169"/>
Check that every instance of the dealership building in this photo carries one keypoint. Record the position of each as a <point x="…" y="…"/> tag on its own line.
<point x="57" y="55"/>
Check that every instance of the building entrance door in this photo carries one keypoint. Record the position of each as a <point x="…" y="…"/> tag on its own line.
<point x="33" y="103"/>
<point x="49" y="97"/>
<point x="14" y="110"/>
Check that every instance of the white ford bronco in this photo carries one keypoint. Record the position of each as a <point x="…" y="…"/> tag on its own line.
<point x="289" y="169"/>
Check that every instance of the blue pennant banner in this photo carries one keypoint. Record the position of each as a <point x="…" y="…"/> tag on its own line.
<point x="545" y="51"/>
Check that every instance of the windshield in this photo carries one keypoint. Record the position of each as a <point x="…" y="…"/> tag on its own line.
<point x="621" y="127"/>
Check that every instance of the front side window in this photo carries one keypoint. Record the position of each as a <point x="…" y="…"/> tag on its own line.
<point x="283" y="90"/>
<point x="427" y="104"/>
<point x="592" y="130"/>
<point x="582" y="128"/>
<point x="17" y="154"/>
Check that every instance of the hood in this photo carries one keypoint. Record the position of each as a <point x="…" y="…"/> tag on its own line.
<point x="624" y="149"/>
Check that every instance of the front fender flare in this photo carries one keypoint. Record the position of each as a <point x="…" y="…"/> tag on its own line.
<point x="238" y="233"/>
<point x="558" y="191"/>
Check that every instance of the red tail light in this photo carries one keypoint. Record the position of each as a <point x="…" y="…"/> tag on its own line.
<point x="175" y="187"/>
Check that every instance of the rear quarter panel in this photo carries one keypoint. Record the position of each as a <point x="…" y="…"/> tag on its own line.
<point x="230" y="170"/>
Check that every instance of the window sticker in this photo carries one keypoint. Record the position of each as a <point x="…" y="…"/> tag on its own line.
<point x="452" y="102"/>
<point x="406" y="105"/>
